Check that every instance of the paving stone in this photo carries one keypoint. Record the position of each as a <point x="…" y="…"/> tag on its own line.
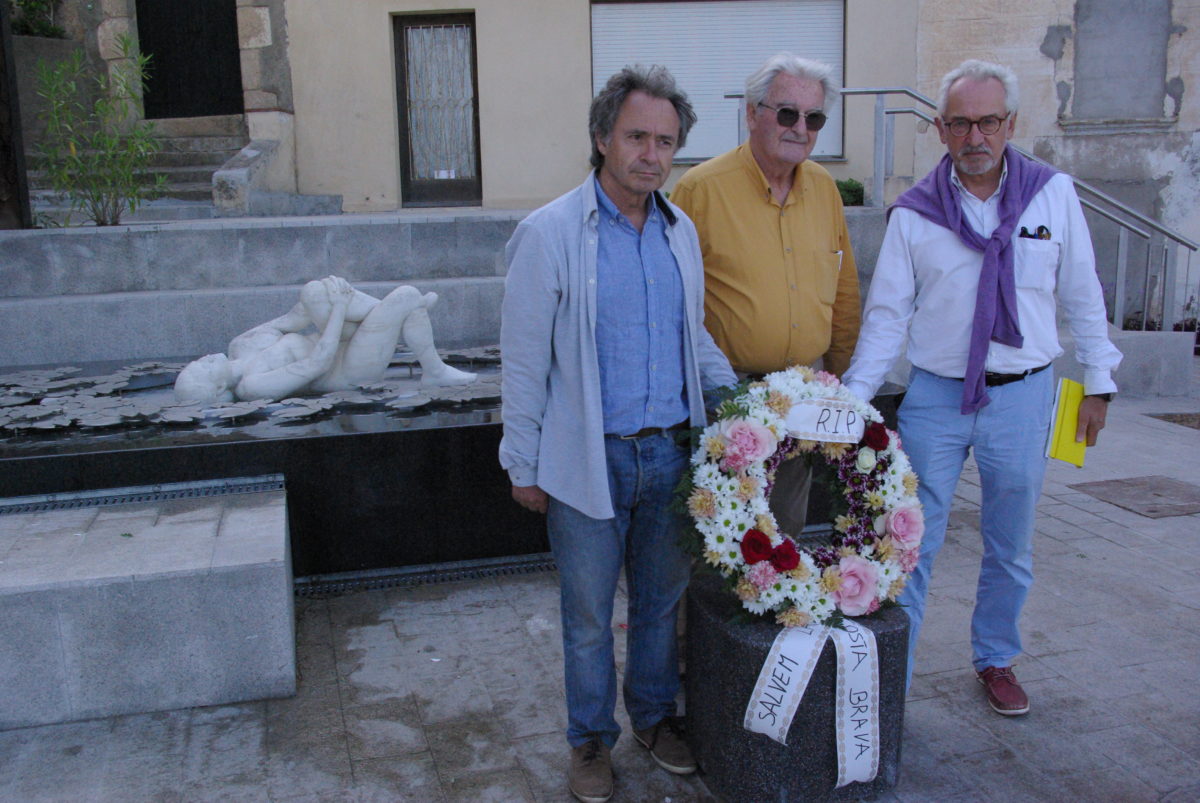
<point x="489" y="787"/>
<point x="374" y="676"/>
<point x="468" y="746"/>
<point x="449" y="698"/>
<point x="297" y="771"/>
<point x="310" y="717"/>
<point x="383" y="730"/>
<point x="923" y="777"/>
<point x="1108" y="785"/>
<point x="537" y="707"/>
<point x="312" y="622"/>
<point x="316" y="663"/>
<point x="1152" y="759"/>
<point x="384" y="780"/>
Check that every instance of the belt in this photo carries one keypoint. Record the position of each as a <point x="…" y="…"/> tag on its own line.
<point x="994" y="380"/>
<point x="646" y="432"/>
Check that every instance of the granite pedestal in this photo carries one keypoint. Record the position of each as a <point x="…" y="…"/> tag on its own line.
<point x="136" y="600"/>
<point x="724" y="656"/>
<point x="368" y="488"/>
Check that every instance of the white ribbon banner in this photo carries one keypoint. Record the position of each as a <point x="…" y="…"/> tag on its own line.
<point x="784" y="678"/>
<point x="857" y="703"/>
<point x="831" y="420"/>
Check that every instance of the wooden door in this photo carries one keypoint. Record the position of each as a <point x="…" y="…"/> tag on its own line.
<point x="439" y="110"/>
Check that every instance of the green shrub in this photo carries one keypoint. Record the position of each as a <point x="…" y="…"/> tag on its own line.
<point x="851" y="190"/>
<point x="35" y="18"/>
<point x="98" y="158"/>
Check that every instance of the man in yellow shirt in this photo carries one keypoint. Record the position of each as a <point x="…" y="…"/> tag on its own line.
<point x="780" y="280"/>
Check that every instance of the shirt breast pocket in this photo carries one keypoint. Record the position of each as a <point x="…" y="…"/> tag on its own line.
<point x="828" y="267"/>
<point x="1035" y="264"/>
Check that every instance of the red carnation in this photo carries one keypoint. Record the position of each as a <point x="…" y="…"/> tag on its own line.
<point x="875" y="436"/>
<point x="756" y="546"/>
<point x="785" y="557"/>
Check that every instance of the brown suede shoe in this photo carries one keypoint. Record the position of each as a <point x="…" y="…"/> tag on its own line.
<point x="667" y="746"/>
<point x="590" y="777"/>
<point x="1004" y="693"/>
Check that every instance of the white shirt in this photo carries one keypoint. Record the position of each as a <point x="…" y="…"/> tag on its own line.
<point x="925" y="284"/>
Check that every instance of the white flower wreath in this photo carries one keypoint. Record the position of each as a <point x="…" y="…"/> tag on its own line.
<point x="803" y="413"/>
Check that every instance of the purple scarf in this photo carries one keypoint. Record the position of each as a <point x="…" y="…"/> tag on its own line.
<point x="936" y="198"/>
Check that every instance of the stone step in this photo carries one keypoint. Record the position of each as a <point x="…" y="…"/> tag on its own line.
<point x="200" y="190"/>
<point x="203" y="144"/>
<point x="228" y="125"/>
<point x="212" y="159"/>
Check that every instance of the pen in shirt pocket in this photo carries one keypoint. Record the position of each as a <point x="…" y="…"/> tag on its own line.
<point x="840" y="254"/>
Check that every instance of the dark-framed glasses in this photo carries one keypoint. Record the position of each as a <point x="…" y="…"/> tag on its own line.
<point x="961" y="126"/>
<point x="787" y="117"/>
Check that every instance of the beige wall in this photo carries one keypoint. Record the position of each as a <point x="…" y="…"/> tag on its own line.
<point x="534" y="87"/>
<point x="534" y="61"/>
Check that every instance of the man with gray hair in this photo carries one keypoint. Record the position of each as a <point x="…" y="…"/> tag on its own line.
<point x="606" y="358"/>
<point x="782" y="286"/>
<point x="977" y="258"/>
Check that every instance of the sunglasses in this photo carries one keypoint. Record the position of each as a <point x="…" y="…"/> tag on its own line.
<point x="787" y="117"/>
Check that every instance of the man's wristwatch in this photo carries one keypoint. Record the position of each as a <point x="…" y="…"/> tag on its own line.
<point x="1108" y="397"/>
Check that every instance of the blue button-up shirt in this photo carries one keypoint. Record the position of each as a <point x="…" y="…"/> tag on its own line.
<point x="639" y="323"/>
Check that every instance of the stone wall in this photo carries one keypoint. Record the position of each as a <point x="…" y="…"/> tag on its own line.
<point x="1104" y="96"/>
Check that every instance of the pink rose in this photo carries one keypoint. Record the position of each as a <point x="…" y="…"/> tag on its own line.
<point x="746" y="443"/>
<point x="827" y="379"/>
<point x="859" y="580"/>
<point x="905" y="525"/>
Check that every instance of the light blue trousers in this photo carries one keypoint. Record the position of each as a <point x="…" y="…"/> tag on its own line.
<point x="1008" y="438"/>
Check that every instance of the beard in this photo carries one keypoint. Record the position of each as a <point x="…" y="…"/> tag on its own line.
<point x="976" y="166"/>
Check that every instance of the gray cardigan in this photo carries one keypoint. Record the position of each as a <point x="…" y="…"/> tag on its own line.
<point x="553" y="421"/>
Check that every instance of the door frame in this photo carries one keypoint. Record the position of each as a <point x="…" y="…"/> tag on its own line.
<point x="435" y="192"/>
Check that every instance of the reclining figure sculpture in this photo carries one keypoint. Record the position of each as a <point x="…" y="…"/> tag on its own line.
<point x="355" y="338"/>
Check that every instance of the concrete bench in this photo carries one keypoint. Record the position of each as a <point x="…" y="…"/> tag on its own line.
<point x="144" y="599"/>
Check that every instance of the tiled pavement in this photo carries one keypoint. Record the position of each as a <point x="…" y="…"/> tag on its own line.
<point x="453" y="692"/>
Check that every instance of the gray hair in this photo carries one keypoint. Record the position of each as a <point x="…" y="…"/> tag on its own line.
<point x="759" y="84"/>
<point x="977" y="70"/>
<point x="656" y="82"/>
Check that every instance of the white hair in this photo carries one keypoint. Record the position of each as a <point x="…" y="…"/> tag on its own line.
<point x="978" y="70"/>
<point x="759" y="83"/>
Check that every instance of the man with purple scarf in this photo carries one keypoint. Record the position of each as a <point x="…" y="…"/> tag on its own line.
<point x="976" y="259"/>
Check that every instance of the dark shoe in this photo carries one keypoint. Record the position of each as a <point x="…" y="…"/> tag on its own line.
<point x="1004" y="693"/>
<point x="667" y="746"/>
<point x="590" y="776"/>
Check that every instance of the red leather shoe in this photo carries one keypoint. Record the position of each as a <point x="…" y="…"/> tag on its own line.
<point x="1004" y="693"/>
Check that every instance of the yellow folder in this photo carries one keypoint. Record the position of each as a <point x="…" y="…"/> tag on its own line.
<point x="1061" y="443"/>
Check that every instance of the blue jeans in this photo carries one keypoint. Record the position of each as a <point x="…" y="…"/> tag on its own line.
<point x="1008" y="437"/>
<point x="644" y="537"/>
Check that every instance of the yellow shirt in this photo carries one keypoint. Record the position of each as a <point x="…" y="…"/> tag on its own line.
<point x="781" y="286"/>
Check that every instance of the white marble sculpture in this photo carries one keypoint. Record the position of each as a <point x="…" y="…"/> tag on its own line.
<point x="353" y="342"/>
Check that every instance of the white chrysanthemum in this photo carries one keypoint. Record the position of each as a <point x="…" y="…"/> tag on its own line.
<point x="707" y="476"/>
<point x="887" y="572"/>
<point x="757" y="606"/>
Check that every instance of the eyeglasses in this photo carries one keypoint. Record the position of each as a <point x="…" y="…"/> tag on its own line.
<point x="961" y="126"/>
<point x="787" y="117"/>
